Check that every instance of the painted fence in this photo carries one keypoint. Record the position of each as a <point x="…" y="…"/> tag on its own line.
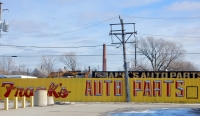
<point x="182" y="90"/>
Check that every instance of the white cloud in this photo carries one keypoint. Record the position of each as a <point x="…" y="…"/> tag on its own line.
<point x="184" y="6"/>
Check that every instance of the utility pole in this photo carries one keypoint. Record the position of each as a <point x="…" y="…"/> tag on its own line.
<point x="4" y="25"/>
<point x="123" y="41"/>
<point x="135" y="55"/>
<point x="0" y="10"/>
<point x="0" y="17"/>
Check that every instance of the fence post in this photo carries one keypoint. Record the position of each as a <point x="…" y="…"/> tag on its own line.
<point x="31" y="101"/>
<point x="15" y="102"/>
<point x="6" y="103"/>
<point x="23" y="102"/>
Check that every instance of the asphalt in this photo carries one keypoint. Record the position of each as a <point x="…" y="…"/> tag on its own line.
<point x="88" y="109"/>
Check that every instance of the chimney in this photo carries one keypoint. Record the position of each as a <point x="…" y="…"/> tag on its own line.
<point x="104" y="57"/>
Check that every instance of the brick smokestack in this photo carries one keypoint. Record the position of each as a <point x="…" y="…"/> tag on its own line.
<point x="104" y="58"/>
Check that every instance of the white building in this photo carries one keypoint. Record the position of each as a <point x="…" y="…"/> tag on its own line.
<point x="16" y="76"/>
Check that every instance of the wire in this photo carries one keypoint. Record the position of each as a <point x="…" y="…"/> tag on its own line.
<point x="50" y="47"/>
<point x="62" y="21"/>
<point x="40" y="13"/>
<point x="63" y="32"/>
<point x="48" y="29"/>
<point x="52" y="44"/>
<point x="66" y="27"/>
<point x="163" y="18"/>
<point x="78" y="55"/>
<point x="78" y="40"/>
<point x="168" y="35"/>
<point x="64" y="55"/>
<point x="87" y="26"/>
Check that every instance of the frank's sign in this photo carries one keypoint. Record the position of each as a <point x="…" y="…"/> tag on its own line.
<point x="29" y="91"/>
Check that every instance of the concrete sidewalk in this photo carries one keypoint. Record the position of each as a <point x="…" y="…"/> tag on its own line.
<point x="88" y="109"/>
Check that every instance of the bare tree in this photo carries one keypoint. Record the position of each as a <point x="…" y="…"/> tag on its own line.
<point x="21" y="69"/>
<point x="70" y="60"/>
<point x="47" y="64"/>
<point x="160" y="53"/>
<point x="3" y="72"/>
<point x="142" y="65"/>
<point x="7" y="64"/>
<point x="182" y="65"/>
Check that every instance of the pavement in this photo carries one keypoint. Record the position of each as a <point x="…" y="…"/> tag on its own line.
<point x="88" y="109"/>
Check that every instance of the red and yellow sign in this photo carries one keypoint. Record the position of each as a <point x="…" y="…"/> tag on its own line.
<point x="184" y="90"/>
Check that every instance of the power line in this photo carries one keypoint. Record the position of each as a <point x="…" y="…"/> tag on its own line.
<point x="164" y="18"/>
<point x="92" y="24"/>
<point x="64" y="32"/>
<point x="39" y="13"/>
<point x="62" y="21"/>
<point x="50" y="47"/>
<point x="138" y="33"/>
<point x="61" y="55"/>
<point x="53" y="44"/>
<point x="48" y="29"/>
<point x="87" y="26"/>
<point x="169" y="35"/>
<point x="78" y="40"/>
<point x="192" y="53"/>
<point x="76" y="55"/>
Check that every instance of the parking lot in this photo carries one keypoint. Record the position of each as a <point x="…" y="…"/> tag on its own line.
<point x="88" y="109"/>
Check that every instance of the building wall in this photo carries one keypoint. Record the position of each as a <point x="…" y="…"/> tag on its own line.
<point x="176" y="90"/>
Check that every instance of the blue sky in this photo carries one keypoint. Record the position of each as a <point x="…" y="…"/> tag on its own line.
<point x="67" y="23"/>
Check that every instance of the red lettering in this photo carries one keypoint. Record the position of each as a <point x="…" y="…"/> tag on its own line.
<point x="107" y="87"/>
<point x="20" y="89"/>
<point x="157" y="88"/>
<point x="88" y="87"/>
<point x="63" y="92"/>
<point x="135" y="89"/>
<point x="8" y="88"/>
<point x="30" y="89"/>
<point x="147" y="88"/>
<point x="118" y="88"/>
<point x="52" y="90"/>
<point x="97" y="88"/>
<point x="168" y="87"/>
<point x="179" y="88"/>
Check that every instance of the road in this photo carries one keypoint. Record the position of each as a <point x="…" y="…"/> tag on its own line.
<point x="89" y="109"/>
